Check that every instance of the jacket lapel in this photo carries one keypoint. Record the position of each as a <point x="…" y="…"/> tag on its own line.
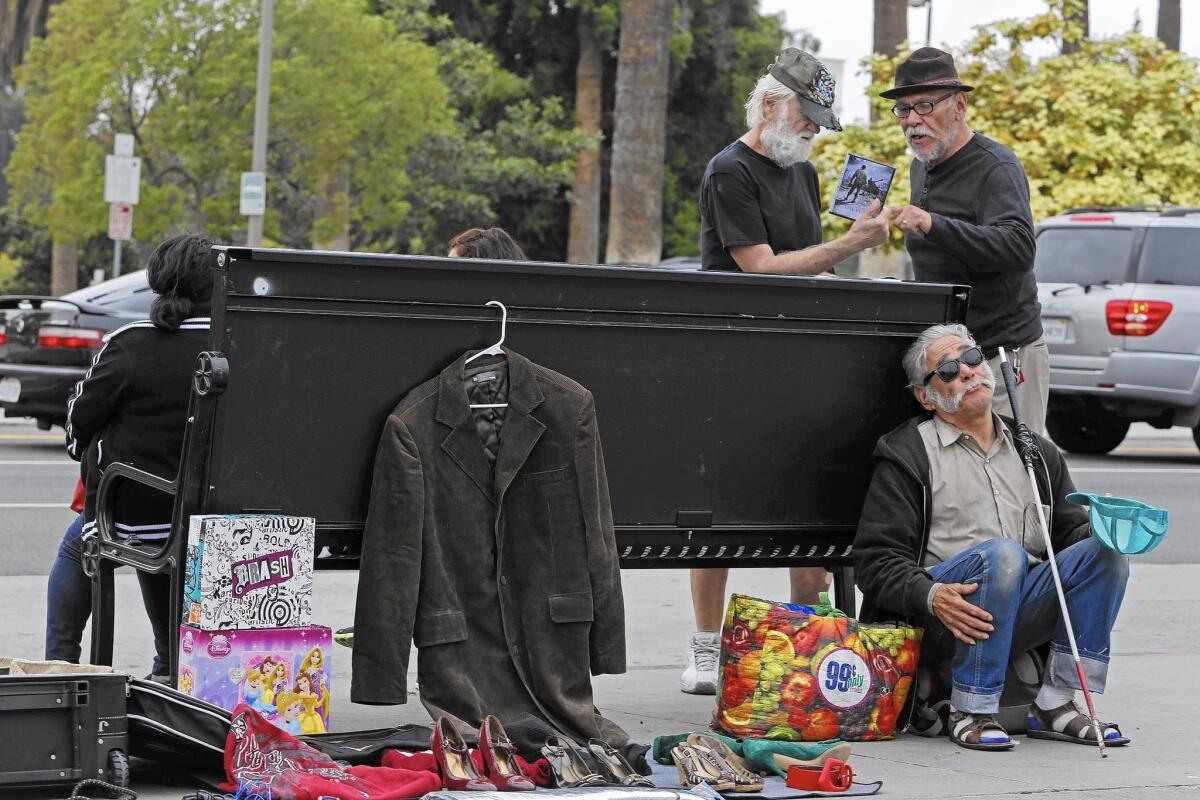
<point x="462" y="444"/>
<point x="521" y="430"/>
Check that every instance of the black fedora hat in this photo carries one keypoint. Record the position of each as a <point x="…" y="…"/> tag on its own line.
<point x="927" y="68"/>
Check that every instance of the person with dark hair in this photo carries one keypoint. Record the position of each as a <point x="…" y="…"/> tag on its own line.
<point x="131" y="407"/>
<point x="486" y="243"/>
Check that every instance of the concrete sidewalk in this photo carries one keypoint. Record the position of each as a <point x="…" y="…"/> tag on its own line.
<point x="1152" y="694"/>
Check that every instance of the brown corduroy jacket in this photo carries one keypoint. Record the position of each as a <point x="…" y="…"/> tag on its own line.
<point x="506" y="578"/>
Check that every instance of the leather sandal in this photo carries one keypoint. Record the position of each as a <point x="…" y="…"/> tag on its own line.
<point x="695" y="770"/>
<point x="615" y="767"/>
<point x="1068" y="723"/>
<point x="570" y="770"/>
<point x="978" y="732"/>
<point x="722" y="757"/>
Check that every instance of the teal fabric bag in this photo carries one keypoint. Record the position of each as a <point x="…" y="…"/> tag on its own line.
<point x="1126" y="526"/>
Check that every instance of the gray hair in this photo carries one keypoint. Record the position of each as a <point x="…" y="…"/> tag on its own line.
<point x="767" y="88"/>
<point x="914" y="356"/>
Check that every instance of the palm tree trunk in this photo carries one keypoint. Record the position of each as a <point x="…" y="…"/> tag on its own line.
<point x="583" y="242"/>
<point x="1080" y="14"/>
<point x="64" y="266"/>
<point x="890" y="30"/>
<point x="1168" y="23"/>
<point x="640" y="135"/>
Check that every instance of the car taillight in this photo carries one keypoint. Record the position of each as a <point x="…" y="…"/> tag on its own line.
<point x="81" y="338"/>
<point x="1136" y="317"/>
<point x="3" y="337"/>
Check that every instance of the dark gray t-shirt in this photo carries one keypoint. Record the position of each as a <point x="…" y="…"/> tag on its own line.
<point x="746" y="198"/>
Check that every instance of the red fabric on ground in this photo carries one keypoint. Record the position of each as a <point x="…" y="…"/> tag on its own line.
<point x="262" y="760"/>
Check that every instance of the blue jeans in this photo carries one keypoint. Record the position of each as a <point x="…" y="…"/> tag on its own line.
<point x="1025" y="612"/>
<point x="69" y="603"/>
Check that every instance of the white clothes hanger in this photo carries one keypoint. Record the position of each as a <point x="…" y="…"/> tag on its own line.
<point x="494" y="350"/>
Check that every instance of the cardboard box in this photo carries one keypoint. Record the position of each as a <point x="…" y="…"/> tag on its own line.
<point x="248" y="571"/>
<point x="282" y="673"/>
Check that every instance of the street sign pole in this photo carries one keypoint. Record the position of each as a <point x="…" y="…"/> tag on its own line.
<point x="122" y="177"/>
<point x="262" y="107"/>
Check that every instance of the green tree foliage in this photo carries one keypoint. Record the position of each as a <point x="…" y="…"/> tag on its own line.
<point x="718" y="50"/>
<point x="1115" y="122"/>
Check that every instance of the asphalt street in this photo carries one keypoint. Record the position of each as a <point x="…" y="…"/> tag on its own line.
<point x="1156" y="647"/>
<point x="37" y="478"/>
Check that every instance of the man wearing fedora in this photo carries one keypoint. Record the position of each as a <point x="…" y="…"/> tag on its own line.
<point x="969" y="222"/>
<point x="760" y="211"/>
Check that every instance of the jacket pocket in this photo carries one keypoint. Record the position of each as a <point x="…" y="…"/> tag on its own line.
<point x="440" y="628"/>
<point x="543" y="478"/>
<point x="571" y="607"/>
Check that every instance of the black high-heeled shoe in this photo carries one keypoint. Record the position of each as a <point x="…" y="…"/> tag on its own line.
<point x="570" y="770"/>
<point x="614" y="765"/>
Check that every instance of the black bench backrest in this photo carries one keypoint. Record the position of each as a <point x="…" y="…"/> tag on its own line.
<point x="749" y="403"/>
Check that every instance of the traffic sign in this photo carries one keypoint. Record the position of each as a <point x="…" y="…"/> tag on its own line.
<point x="120" y="222"/>
<point x="123" y="144"/>
<point x="254" y="194"/>
<point x="122" y="174"/>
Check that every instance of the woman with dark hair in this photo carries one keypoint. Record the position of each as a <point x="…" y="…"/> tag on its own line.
<point x="486" y="243"/>
<point x="131" y="407"/>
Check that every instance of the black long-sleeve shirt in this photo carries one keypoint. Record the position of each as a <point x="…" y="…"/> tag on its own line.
<point x="982" y="235"/>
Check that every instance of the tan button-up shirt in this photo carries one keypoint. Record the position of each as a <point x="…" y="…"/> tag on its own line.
<point x="976" y="495"/>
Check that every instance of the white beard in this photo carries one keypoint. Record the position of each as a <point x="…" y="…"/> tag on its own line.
<point x="940" y="146"/>
<point x="785" y="147"/>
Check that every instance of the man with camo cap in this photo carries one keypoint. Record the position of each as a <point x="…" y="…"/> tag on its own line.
<point x="760" y="211"/>
<point x="760" y="203"/>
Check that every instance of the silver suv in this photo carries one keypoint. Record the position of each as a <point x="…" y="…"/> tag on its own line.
<point x="1120" y="294"/>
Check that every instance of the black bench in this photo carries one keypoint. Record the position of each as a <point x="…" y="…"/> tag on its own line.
<point x="737" y="412"/>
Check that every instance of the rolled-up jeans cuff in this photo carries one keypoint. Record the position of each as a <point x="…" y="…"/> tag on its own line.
<point x="1061" y="670"/>
<point x="974" y="702"/>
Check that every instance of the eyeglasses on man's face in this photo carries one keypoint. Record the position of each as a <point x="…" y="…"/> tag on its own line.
<point x="948" y="370"/>
<point x="922" y="107"/>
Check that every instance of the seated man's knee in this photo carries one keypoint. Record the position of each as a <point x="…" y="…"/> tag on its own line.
<point x="1103" y="558"/>
<point x="1006" y="560"/>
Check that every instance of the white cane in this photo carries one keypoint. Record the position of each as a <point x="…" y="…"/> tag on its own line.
<point x="1029" y="453"/>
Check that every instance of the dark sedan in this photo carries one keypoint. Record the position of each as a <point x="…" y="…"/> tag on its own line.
<point x="47" y="343"/>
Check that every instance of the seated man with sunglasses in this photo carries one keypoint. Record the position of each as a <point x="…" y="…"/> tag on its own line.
<point x="949" y="540"/>
<point x="969" y="221"/>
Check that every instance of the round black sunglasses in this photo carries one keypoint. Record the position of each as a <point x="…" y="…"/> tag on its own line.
<point x="948" y="370"/>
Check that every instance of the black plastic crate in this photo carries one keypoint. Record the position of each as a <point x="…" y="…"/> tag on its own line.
<point x="61" y="729"/>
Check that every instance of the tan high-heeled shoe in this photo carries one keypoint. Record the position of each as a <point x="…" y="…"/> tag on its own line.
<point x="722" y="758"/>
<point x="694" y="770"/>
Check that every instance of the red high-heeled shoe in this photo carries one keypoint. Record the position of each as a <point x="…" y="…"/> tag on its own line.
<point x="499" y="758"/>
<point x="453" y="759"/>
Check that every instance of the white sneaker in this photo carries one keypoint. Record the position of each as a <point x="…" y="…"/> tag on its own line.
<point x="700" y="677"/>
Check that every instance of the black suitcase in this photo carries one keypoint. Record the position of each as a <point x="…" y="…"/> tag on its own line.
<point x="62" y="729"/>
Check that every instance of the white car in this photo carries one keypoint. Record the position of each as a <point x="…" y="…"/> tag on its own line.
<point x="1120" y="295"/>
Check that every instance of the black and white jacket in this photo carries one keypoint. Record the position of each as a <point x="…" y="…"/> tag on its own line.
<point x="132" y="405"/>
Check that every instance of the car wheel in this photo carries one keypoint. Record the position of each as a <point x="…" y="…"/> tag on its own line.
<point x="1196" y="435"/>
<point x="1089" y="433"/>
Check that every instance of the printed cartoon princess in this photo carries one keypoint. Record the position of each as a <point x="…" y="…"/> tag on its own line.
<point x="267" y="671"/>
<point x="310" y="718"/>
<point x="254" y="692"/>
<point x="291" y="705"/>
<point x="187" y="681"/>
<point x="313" y="665"/>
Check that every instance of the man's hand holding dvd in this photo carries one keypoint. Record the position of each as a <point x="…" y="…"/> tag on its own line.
<point x="862" y="183"/>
